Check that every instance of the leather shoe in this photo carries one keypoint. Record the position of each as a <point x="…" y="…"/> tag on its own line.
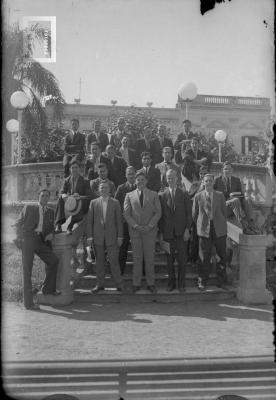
<point x="170" y="288"/>
<point x="136" y="288"/>
<point x="33" y="307"/>
<point x="97" y="289"/>
<point x="152" y="289"/>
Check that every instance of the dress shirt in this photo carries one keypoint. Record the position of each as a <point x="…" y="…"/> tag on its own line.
<point x="40" y="222"/>
<point x="74" y="184"/>
<point x="104" y="206"/>
<point x="146" y="169"/>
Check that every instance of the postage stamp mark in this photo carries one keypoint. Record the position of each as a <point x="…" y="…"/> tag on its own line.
<point x="40" y="32"/>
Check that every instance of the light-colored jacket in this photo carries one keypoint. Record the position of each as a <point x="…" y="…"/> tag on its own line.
<point x="148" y="215"/>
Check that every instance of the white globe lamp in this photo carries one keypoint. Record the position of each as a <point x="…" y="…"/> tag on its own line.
<point x="187" y="93"/>
<point x="220" y="137"/>
<point x="19" y="100"/>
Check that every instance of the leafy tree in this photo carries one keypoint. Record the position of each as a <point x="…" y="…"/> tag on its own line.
<point x="23" y="73"/>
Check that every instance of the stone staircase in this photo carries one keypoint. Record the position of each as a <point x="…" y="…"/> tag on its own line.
<point x="83" y="285"/>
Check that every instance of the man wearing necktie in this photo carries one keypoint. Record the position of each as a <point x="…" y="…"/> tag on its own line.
<point x="151" y="173"/>
<point x="142" y="212"/>
<point x="34" y="230"/>
<point x="237" y="205"/>
<point x="74" y="146"/>
<point x="209" y="215"/>
<point x="105" y="232"/>
<point x="120" y="195"/>
<point x="174" y="225"/>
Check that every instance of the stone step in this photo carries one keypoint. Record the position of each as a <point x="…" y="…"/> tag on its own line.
<point x="212" y="293"/>
<point x="161" y="281"/>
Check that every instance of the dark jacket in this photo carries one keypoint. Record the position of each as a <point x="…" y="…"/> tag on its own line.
<point x="74" y="144"/>
<point x="141" y="147"/>
<point x="121" y="192"/>
<point x="103" y="140"/>
<point x="28" y="221"/>
<point x="220" y="185"/>
<point x="191" y="170"/>
<point x="118" y="170"/>
<point x="175" y="221"/>
<point x="82" y="188"/>
<point x="157" y="149"/>
<point x="177" y="144"/>
<point x="90" y="171"/>
<point x="153" y="178"/>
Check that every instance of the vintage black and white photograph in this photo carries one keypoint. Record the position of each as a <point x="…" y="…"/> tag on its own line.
<point x="138" y="200"/>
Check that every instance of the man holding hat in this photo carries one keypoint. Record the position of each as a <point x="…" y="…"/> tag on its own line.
<point x="74" y="199"/>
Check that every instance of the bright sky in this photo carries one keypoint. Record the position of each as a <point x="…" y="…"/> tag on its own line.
<point x="136" y="51"/>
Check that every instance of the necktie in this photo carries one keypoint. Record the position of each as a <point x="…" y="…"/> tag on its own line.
<point x="141" y="197"/>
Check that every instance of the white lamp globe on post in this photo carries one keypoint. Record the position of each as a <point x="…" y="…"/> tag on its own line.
<point x="220" y="137"/>
<point x="19" y="100"/>
<point x="13" y="127"/>
<point x="187" y="93"/>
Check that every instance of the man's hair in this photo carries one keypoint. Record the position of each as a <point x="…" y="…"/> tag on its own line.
<point x="226" y="163"/>
<point x="147" y="127"/>
<point x="45" y="190"/>
<point x="110" y="146"/>
<point x="97" y="121"/>
<point x="75" y="119"/>
<point x="102" y="165"/>
<point x="140" y="173"/>
<point x="166" y="148"/>
<point x="145" y="154"/>
<point x="121" y="119"/>
<point x="170" y="170"/>
<point x="187" y="120"/>
<point x="213" y="176"/>
<point x="130" y="167"/>
<point x="95" y="144"/>
<point x="74" y="162"/>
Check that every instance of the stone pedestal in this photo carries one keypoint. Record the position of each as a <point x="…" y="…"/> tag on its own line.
<point x="62" y="247"/>
<point x="252" y="260"/>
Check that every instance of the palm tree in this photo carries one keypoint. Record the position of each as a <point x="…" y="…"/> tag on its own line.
<point x="22" y="72"/>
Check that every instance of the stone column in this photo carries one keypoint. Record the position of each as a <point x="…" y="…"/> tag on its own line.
<point x="62" y="247"/>
<point x="252" y="280"/>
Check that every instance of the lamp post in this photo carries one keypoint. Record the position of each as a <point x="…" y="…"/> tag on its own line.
<point x="19" y="100"/>
<point x="187" y="93"/>
<point x="220" y="137"/>
<point x="13" y="127"/>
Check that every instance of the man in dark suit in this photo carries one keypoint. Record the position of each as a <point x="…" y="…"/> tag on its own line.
<point x="167" y="164"/>
<point x="182" y="139"/>
<point x="97" y="136"/>
<point x="96" y="158"/>
<point x="74" y="147"/>
<point x="120" y="132"/>
<point x="118" y="165"/>
<point x="152" y="174"/>
<point x="120" y="195"/>
<point x="146" y="143"/>
<point x="175" y="223"/>
<point x="236" y="204"/>
<point x="77" y="186"/>
<point x="128" y="154"/>
<point x="105" y="232"/>
<point x="34" y="231"/>
<point x="102" y="177"/>
<point x="209" y="214"/>
<point x="159" y="144"/>
<point x="193" y="159"/>
<point x="142" y="212"/>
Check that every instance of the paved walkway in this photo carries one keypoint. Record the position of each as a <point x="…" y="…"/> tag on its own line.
<point x="136" y="331"/>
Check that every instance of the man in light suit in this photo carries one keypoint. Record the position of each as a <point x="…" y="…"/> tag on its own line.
<point x="175" y="223"/>
<point x="105" y="232"/>
<point x="209" y="215"/>
<point x="34" y="232"/>
<point x="142" y="211"/>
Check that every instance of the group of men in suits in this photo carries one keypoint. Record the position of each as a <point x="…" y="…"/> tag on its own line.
<point x="130" y="200"/>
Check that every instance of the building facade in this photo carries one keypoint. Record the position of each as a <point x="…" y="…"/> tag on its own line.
<point x="243" y="118"/>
